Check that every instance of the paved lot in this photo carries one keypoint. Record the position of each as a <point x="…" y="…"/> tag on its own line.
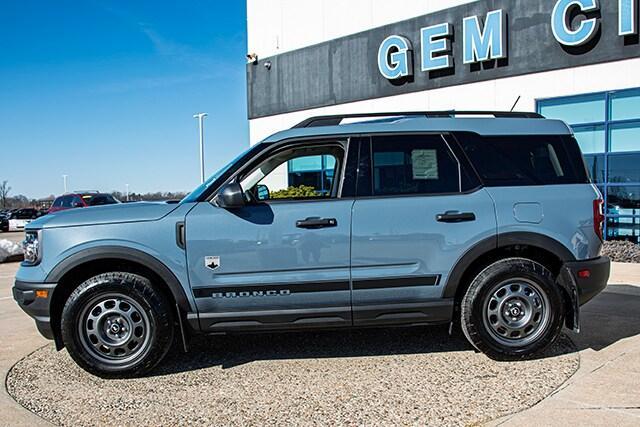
<point x="18" y="337"/>
<point x="604" y="390"/>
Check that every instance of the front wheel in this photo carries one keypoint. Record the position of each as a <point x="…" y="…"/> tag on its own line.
<point x="117" y="325"/>
<point x="512" y="309"/>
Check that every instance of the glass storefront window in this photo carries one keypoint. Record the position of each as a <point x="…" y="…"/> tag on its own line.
<point x="587" y="109"/>
<point x="624" y="137"/>
<point x="621" y="228"/>
<point x="591" y="139"/>
<point x="305" y="164"/>
<point x="624" y="168"/>
<point x="623" y="200"/>
<point x="625" y="105"/>
<point x="595" y="167"/>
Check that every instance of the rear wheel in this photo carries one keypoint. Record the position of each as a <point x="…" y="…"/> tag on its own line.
<point x="512" y="309"/>
<point x="117" y="325"/>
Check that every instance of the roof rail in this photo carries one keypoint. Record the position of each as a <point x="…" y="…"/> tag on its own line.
<point x="334" y="120"/>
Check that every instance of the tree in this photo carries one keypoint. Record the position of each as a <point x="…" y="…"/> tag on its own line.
<point x="4" y="192"/>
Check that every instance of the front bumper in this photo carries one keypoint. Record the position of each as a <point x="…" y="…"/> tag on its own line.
<point x="37" y="307"/>
<point x="582" y="280"/>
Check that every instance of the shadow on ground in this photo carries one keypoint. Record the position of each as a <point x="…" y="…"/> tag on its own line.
<point x="608" y="318"/>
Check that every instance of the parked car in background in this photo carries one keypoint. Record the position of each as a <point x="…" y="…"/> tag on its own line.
<point x="81" y="200"/>
<point x="4" y="220"/>
<point x="20" y="218"/>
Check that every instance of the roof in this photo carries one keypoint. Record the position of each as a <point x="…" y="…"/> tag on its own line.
<point x="420" y="123"/>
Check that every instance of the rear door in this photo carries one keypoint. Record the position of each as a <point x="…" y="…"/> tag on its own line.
<point x="417" y="212"/>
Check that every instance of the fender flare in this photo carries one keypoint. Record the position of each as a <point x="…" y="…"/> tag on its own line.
<point x="125" y="254"/>
<point x="500" y="241"/>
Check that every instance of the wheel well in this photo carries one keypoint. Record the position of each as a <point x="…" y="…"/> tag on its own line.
<point x="78" y="274"/>
<point x="543" y="256"/>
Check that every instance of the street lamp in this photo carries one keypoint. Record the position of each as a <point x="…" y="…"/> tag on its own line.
<point x="200" y="117"/>
<point x="64" y="181"/>
<point x="127" y="185"/>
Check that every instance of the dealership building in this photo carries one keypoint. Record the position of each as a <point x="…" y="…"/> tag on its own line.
<point x="575" y="60"/>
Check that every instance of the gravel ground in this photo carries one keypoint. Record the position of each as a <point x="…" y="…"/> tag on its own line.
<point x="621" y="251"/>
<point x="361" y="377"/>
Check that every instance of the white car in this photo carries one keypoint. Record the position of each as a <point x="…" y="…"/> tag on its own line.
<point x="20" y="218"/>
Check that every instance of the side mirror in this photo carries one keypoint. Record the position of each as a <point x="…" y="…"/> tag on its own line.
<point x="231" y="196"/>
<point x="262" y="191"/>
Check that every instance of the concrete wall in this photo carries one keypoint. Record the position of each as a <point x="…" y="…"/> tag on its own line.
<point x="277" y="26"/>
<point x="490" y="95"/>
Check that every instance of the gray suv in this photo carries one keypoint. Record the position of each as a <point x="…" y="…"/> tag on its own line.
<point x="483" y="219"/>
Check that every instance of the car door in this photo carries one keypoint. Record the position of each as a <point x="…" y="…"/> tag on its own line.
<point x="417" y="212"/>
<point x="280" y="261"/>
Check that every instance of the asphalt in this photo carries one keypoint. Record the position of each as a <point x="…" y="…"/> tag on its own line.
<point x="604" y="390"/>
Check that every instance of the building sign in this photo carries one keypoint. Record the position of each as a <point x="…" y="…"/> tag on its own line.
<point x="485" y="38"/>
<point x="473" y="42"/>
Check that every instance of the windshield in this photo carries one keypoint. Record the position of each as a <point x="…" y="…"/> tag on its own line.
<point x="195" y="194"/>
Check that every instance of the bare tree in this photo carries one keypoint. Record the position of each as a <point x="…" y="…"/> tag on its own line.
<point x="4" y="192"/>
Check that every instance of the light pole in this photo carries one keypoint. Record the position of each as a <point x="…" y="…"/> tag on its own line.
<point x="127" y="185"/>
<point x="200" y="117"/>
<point x="64" y="181"/>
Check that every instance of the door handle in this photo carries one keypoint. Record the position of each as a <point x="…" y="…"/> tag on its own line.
<point x="316" y="222"/>
<point x="455" y="216"/>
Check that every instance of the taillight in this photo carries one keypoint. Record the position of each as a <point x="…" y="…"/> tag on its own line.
<point x="598" y="217"/>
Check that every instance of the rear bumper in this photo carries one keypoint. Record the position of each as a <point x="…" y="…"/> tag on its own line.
<point x="581" y="281"/>
<point x="598" y="274"/>
<point x="37" y="307"/>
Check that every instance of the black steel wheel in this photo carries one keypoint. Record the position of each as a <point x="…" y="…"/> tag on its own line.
<point x="513" y="309"/>
<point x="117" y="325"/>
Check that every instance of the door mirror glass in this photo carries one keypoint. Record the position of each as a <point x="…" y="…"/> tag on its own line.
<point x="231" y="196"/>
<point x="262" y="192"/>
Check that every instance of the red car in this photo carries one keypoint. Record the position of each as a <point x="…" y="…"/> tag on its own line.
<point x="81" y="200"/>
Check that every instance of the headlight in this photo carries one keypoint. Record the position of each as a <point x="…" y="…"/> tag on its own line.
<point x="31" y="247"/>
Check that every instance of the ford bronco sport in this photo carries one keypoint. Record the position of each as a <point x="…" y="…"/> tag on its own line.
<point x="488" y="220"/>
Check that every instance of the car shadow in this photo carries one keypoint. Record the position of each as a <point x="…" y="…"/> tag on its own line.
<point x="608" y="318"/>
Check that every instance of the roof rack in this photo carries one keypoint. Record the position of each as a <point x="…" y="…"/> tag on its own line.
<point x="335" y="120"/>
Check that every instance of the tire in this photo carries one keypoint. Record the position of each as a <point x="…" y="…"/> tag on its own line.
<point x="512" y="309"/>
<point x="117" y="325"/>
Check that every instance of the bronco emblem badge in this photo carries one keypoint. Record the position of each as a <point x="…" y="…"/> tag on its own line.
<point x="212" y="262"/>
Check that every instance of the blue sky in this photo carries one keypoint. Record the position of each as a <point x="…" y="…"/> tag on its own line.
<point x="105" y="91"/>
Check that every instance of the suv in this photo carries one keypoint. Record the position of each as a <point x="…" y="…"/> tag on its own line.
<point x="81" y="200"/>
<point x="488" y="221"/>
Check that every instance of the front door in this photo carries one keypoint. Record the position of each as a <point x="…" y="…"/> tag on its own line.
<point x="281" y="261"/>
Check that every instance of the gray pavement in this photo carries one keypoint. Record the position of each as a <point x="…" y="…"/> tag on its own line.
<point x="604" y="391"/>
<point x="18" y="337"/>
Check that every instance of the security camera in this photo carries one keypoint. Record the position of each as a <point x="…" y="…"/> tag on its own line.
<point x="252" y="58"/>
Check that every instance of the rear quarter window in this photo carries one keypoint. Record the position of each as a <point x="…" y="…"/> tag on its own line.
<point x="525" y="159"/>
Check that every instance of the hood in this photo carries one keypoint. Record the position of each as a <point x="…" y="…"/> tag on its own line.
<point x="107" y="214"/>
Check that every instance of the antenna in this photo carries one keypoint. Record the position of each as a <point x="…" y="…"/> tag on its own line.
<point x="515" y="103"/>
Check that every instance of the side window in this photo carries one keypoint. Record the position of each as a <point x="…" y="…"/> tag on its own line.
<point x="301" y="172"/>
<point x="76" y="201"/>
<point x="525" y="159"/>
<point x="417" y="164"/>
<point x="66" y="201"/>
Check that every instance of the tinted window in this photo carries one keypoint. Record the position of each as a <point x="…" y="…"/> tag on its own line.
<point x="101" y="199"/>
<point x="419" y="164"/>
<point x="525" y="160"/>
